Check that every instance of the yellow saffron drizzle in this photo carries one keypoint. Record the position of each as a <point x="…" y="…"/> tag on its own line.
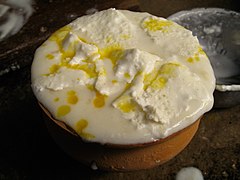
<point x="158" y="78"/>
<point x="125" y="36"/>
<point x="50" y="56"/>
<point x="68" y="54"/>
<point x="56" y="99"/>
<point x="72" y="97"/>
<point x="54" y="68"/>
<point x="99" y="100"/>
<point x="148" y="78"/>
<point x="159" y="83"/>
<point x="80" y="126"/>
<point x="127" y="75"/>
<point x="168" y="68"/>
<point x="114" y="81"/>
<point x="60" y="34"/>
<point x="126" y="105"/>
<point x="113" y="52"/>
<point x="157" y="25"/>
<point x="63" y="110"/>
<point x="195" y="57"/>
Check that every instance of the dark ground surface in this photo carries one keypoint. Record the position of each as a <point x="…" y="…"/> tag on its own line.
<point x="28" y="152"/>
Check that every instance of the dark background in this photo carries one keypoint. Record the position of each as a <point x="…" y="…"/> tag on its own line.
<point x="28" y="152"/>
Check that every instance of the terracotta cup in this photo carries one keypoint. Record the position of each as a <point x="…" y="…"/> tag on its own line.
<point x="118" y="157"/>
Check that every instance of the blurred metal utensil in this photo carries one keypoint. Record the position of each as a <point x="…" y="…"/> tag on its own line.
<point x="218" y="31"/>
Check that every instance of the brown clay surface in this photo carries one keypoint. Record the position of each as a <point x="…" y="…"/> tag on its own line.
<point x="28" y="152"/>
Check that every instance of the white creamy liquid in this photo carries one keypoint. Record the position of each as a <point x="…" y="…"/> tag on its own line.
<point x="123" y="77"/>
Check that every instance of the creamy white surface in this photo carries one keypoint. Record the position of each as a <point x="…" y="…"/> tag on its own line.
<point x="151" y="73"/>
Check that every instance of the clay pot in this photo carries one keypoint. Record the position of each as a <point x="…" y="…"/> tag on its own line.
<point x="118" y="157"/>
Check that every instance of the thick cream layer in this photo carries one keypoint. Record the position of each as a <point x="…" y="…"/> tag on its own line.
<point x="123" y="77"/>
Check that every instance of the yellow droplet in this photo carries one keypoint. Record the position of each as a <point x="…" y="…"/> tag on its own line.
<point x="99" y="100"/>
<point x="125" y="36"/>
<point x="56" y="99"/>
<point x="168" y="68"/>
<point x="80" y="126"/>
<point x="60" y="34"/>
<point x="157" y="79"/>
<point x="102" y="72"/>
<point x="88" y="68"/>
<point x="113" y="52"/>
<point x="63" y="110"/>
<point x="54" y="68"/>
<point x="84" y="40"/>
<point x="127" y="75"/>
<point x="200" y="51"/>
<point x="114" y="81"/>
<point x="190" y="60"/>
<point x="159" y="83"/>
<point x="195" y="57"/>
<point x="71" y="92"/>
<point x="68" y="54"/>
<point x="90" y="87"/>
<point x="126" y="105"/>
<point x="109" y="39"/>
<point x="148" y="78"/>
<point x="50" y="56"/>
<point x="154" y="24"/>
<point x="72" y="97"/>
<point x="127" y="86"/>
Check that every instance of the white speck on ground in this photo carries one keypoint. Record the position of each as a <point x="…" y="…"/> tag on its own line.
<point x="189" y="173"/>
